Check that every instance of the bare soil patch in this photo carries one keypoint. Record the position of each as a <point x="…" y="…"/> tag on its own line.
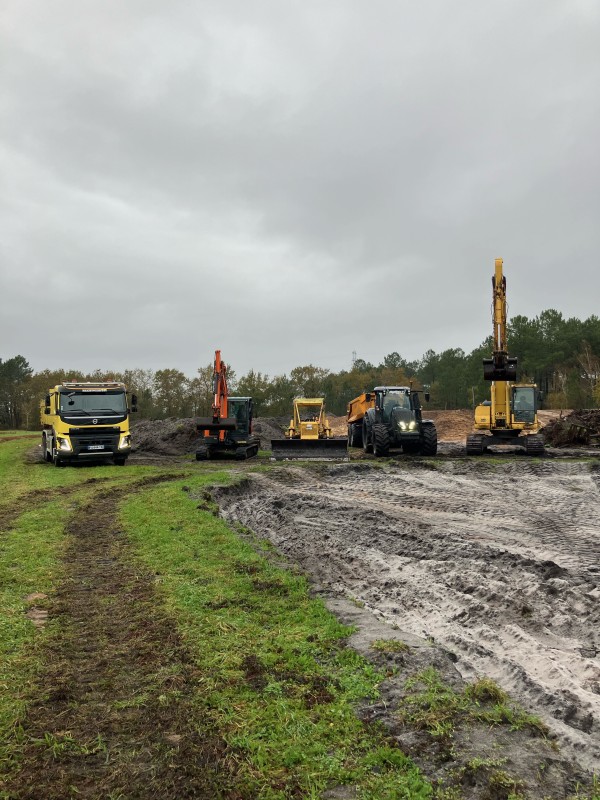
<point x="496" y="564"/>
<point x="115" y="713"/>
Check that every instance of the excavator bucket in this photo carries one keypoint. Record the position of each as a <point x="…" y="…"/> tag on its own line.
<point x="503" y="371"/>
<point x="208" y="424"/>
<point x="318" y="449"/>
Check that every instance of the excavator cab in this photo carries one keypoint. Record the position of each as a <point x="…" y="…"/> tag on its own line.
<point x="524" y="403"/>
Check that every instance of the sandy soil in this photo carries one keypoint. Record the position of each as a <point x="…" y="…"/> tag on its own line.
<point x="499" y="563"/>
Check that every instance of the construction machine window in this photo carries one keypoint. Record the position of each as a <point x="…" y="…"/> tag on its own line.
<point x="392" y="401"/>
<point x="93" y="403"/>
<point x="309" y="413"/>
<point x="524" y="403"/>
<point x="239" y="410"/>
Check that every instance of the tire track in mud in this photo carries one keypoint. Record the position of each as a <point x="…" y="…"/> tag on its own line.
<point x="113" y="713"/>
<point x="38" y="497"/>
<point x="498" y="563"/>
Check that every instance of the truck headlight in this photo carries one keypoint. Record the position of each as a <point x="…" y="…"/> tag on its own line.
<point x="125" y="441"/>
<point x="63" y="444"/>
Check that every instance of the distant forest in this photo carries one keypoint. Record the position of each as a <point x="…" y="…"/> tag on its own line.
<point x="561" y="355"/>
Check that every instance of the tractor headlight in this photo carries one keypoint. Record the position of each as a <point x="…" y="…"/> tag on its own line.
<point x="412" y="425"/>
<point x="125" y="441"/>
<point x="402" y="425"/>
<point x="63" y="444"/>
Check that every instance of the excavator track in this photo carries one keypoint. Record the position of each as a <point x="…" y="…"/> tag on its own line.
<point x="534" y="445"/>
<point x="475" y="444"/>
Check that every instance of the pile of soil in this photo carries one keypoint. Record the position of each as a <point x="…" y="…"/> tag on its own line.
<point x="451" y="426"/>
<point x="169" y="437"/>
<point x="269" y="428"/>
<point x="580" y="427"/>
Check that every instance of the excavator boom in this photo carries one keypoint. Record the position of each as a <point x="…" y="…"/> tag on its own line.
<point x="500" y="367"/>
<point x="219" y="420"/>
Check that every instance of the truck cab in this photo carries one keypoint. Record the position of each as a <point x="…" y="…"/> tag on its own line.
<point x="86" y="421"/>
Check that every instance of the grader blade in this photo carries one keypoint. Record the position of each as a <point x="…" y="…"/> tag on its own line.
<point x="317" y="449"/>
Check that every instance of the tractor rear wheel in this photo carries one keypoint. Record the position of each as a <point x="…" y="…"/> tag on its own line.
<point x="429" y="442"/>
<point x="381" y="440"/>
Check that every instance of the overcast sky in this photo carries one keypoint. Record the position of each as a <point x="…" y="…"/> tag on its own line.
<point x="291" y="181"/>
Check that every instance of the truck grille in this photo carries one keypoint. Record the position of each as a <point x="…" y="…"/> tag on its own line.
<point x="102" y="440"/>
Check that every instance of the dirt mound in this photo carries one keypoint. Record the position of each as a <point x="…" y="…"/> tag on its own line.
<point x="451" y="426"/>
<point x="269" y="428"/>
<point x="169" y="437"/>
<point x="578" y="427"/>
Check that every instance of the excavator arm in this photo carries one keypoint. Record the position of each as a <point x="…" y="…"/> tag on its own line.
<point x="500" y="367"/>
<point x="219" y="422"/>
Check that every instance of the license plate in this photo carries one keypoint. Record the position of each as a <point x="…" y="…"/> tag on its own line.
<point x="95" y="447"/>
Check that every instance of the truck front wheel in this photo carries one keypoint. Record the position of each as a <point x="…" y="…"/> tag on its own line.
<point x="45" y="452"/>
<point x="56" y="460"/>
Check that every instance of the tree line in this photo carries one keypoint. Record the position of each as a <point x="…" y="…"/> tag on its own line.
<point x="561" y="355"/>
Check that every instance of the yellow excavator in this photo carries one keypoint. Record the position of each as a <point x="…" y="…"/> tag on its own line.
<point x="309" y="435"/>
<point x="510" y="416"/>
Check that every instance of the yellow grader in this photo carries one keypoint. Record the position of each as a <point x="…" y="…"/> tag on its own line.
<point x="308" y="434"/>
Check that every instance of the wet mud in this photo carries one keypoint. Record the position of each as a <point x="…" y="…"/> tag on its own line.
<point x="498" y="564"/>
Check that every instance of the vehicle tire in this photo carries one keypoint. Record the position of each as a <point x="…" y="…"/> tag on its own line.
<point x="429" y="441"/>
<point x="350" y="435"/>
<point x="119" y="461"/>
<point x="357" y="436"/>
<point x="367" y="446"/>
<point x="56" y="460"/>
<point x="381" y="440"/>
<point x="47" y="456"/>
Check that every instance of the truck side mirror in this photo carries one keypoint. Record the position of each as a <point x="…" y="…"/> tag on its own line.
<point x="134" y="401"/>
<point x="47" y="404"/>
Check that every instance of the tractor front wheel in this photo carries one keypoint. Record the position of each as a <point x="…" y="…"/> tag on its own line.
<point x="381" y="440"/>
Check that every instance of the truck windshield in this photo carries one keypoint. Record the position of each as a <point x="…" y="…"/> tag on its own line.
<point x="92" y="403"/>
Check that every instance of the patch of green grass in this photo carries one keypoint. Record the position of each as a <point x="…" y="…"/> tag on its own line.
<point x="29" y="563"/>
<point x="390" y="646"/>
<point x="274" y="673"/>
<point x="437" y="708"/>
<point x="20" y="474"/>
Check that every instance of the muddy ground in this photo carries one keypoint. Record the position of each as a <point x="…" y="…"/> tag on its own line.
<point x="497" y="562"/>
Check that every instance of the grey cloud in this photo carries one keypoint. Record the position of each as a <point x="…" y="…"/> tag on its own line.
<point x="291" y="182"/>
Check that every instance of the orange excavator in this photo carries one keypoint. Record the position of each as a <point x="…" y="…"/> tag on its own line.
<point x="229" y="431"/>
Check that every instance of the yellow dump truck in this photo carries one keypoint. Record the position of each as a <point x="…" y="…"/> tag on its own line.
<point x="390" y="417"/>
<point x="86" y="421"/>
